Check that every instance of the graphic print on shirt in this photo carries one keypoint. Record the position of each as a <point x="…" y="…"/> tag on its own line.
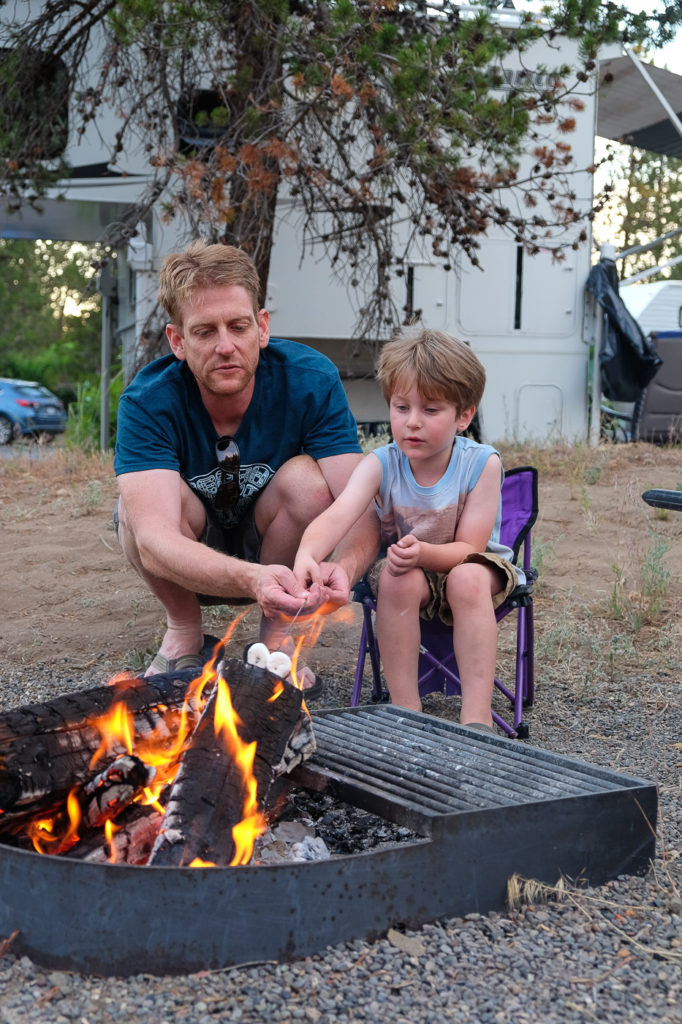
<point x="252" y="480"/>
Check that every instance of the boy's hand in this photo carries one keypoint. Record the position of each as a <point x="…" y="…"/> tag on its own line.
<point x="307" y="570"/>
<point x="335" y="585"/>
<point x="403" y="555"/>
<point x="324" y="585"/>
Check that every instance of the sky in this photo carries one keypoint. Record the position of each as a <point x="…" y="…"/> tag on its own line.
<point x="670" y="56"/>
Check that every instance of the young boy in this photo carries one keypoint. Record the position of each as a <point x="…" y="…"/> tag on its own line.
<point x="437" y="496"/>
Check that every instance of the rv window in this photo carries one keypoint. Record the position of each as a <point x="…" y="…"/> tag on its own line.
<point x="34" y="95"/>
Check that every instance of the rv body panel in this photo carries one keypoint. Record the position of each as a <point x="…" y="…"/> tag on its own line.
<point x="522" y="314"/>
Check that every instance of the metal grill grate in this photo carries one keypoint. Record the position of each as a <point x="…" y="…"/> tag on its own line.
<point x="435" y="767"/>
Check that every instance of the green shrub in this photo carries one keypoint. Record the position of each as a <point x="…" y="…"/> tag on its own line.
<point x="83" y="425"/>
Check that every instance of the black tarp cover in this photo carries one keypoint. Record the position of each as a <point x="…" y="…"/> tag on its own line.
<point x="627" y="359"/>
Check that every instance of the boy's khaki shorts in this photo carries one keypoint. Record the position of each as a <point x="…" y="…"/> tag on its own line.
<point x="437" y="604"/>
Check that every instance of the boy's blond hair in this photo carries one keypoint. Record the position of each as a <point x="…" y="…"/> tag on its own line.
<point x="442" y="367"/>
<point x="202" y="265"/>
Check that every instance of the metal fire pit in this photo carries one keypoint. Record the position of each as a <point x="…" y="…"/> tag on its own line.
<point x="486" y="807"/>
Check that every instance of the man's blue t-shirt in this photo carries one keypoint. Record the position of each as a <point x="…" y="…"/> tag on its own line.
<point x="298" y="406"/>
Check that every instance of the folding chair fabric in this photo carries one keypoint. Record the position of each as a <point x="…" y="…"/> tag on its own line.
<point x="437" y="664"/>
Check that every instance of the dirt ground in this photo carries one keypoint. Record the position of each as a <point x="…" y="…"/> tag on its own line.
<point x="609" y="597"/>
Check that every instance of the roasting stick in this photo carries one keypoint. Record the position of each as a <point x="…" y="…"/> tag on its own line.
<point x="288" y="630"/>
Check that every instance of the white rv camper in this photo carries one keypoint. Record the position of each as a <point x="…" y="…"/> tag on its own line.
<point x="524" y="316"/>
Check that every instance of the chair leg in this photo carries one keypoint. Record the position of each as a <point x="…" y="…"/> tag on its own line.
<point x="504" y="726"/>
<point x="530" y="657"/>
<point x="429" y="681"/>
<point x="368" y="645"/>
<point x="360" y="668"/>
<point x="521" y="668"/>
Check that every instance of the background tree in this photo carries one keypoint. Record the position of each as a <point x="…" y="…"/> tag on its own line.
<point x="390" y="122"/>
<point x="51" y="324"/>
<point x="645" y="204"/>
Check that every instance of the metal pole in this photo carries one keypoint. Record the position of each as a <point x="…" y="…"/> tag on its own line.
<point x="105" y="375"/>
<point x="650" y="245"/>
<point x="595" y="411"/>
<point x="650" y="271"/>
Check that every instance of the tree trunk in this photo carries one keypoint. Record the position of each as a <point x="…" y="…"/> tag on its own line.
<point x="254" y="185"/>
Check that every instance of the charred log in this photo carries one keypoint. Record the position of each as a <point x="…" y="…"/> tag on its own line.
<point x="208" y="796"/>
<point x="47" y="749"/>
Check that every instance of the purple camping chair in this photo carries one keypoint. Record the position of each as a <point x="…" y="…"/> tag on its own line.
<point x="437" y="666"/>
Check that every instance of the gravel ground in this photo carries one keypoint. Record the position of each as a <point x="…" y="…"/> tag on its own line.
<point x="611" y="953"/>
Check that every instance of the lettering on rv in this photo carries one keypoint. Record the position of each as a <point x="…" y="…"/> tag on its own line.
<point x="518" y="78"/>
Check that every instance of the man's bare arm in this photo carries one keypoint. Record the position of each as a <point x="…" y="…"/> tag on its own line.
<point x="161" y="520"/>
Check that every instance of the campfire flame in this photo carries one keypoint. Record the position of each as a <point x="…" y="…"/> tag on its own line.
<point x="253" y="824"/>
<point x="109" y="831"/>
<point x="116" y="729"/>
<point x="59" y="832"/>
<point x="162" y="749"/>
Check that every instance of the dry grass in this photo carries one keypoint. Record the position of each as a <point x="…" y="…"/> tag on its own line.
<point x="605" y="609"/>
<point x="57" y="467"/>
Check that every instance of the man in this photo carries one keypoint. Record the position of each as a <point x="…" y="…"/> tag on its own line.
<point x="225" y="451"/>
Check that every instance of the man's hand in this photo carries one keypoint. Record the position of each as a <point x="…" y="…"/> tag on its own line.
<point x="403" y="555"/>
<point x="279" y="593"/>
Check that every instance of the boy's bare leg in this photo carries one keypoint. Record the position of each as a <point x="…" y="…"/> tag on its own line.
<point x="469" y="590"/>
<point x="398" y="633"/>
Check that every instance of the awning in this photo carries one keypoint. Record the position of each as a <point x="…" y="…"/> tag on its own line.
<point x="628" y="111"/>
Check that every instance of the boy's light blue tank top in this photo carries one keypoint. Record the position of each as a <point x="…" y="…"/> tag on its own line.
<point x="432" y="513"/>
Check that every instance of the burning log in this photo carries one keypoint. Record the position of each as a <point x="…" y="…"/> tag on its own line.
<point x="47" y="749"/>
<point x="251" y="729"/>
<point x="114" y="789"/>
<point x="70" y="767"/>
<point x="130" y="841"/>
